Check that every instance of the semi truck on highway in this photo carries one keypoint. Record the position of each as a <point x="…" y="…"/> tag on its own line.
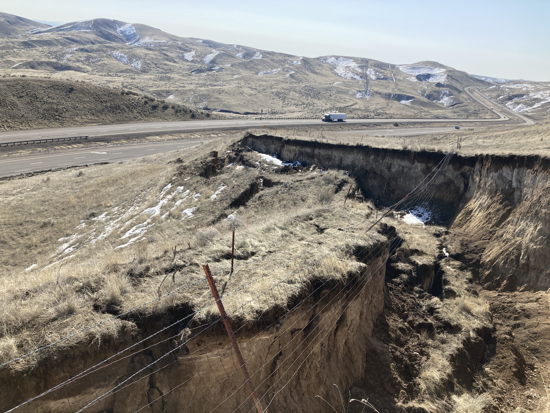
<point x="329" y="117"/>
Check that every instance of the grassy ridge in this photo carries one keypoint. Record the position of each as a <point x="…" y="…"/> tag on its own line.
<point x="42" y="103"/>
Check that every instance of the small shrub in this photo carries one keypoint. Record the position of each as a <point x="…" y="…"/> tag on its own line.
<point x="329" y="178"/>
<point x="206" y="236"/>
<point x="66" y="308"/>
<point x="47" y="223"/>
<point x="116" y="287"/>
<point x="79" y="174"/>
<point x="325" y="196"/>
<point x="89" y="215"/>
<point x="141" y="251"/>
<point x="8" y="349"/>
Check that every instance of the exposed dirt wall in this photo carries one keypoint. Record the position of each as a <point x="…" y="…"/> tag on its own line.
<point x="501" y="201"/>
<point x="344" y="314"/>
<point x="382" y="174"/>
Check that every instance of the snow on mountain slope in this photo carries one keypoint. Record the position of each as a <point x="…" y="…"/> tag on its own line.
<point x="492" y="79"/>
<point x="343" y="66"/>
<point x="128" y="32"/>
<point x="204" y="73"/>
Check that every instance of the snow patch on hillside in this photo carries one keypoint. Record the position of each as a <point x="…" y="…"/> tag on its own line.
<point x="64" y="58"/>
<point x="268" y="72"/>
<point x="344" y="67"/>
<point x="420" y="70"/>
<point x="446" y="98"/>
<point x="258" y="55"/>
<point x="208" y="58"/>
<point x="522" y="86"/>
<point x="122" y="58"/>
<point x="362" y="94"/>
<point x="189" y="55"/>
<point x="220" y="189"/>
<point x="491" y="79"/>
<point x="424" y="73"/>
<point x="417" y="216"/>
<point x="529" y="102"/>
<point x="148" y="42"/>
<point x="406" y="102"/>
<point x="374" y="75"/>
<point x="128" y="33"/>
<point x="78" y="27"/>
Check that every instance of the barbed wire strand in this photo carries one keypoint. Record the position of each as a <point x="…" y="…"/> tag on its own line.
<point x="148" y="303"/>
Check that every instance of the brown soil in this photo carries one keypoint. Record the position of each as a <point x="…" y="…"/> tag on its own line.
<point x="519" y="370"/>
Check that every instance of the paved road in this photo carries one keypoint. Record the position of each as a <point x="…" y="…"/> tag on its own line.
<point x="33" y="163"/>
<point x="59" y="159"/>
<point x="145" y="129"/>
<point x="492" y="105"/>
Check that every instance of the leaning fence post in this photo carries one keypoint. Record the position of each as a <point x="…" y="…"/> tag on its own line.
<point x="232" y="338"/>
<point x="349" y="190"/>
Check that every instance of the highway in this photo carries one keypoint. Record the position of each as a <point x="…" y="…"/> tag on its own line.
<point x="14" y="165"/>
<point x="59" y="159"/>
<point x="492" y="104"/>
<point x="156" y="128"/>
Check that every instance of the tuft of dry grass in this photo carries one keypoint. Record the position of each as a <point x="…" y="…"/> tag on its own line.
<point x="326" y="196"/>
<point x="8" y="348"/>
<point x="466" y="403"/>
<point x="206" y="236"/>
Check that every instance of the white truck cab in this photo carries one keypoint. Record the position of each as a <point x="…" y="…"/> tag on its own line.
<point x="329" y="117"/>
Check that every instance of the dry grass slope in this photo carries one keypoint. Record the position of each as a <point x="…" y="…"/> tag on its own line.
<point x="27" y="103"/>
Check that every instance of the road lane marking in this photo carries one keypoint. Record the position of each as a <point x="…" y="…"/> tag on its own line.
<point x="99" y="153"/>
<point x="80" y="157"/>
<point x="35" y="163"/>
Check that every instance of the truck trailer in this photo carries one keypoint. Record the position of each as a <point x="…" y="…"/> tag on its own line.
<point x="329" y="117"/>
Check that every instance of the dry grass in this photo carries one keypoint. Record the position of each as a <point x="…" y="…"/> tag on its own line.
<point x="102" y="279"/>
<point x="482" y="139"/>
<point x="467" y="403"/>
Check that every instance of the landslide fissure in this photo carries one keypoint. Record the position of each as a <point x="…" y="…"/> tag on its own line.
<point x="499" y="205"/>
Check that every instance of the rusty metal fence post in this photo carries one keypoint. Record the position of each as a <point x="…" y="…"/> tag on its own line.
<point x="349" y="190"/>
<point x="232" y="338"/>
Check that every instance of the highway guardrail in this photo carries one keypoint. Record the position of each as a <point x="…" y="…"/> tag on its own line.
<point x="35" y="141"/>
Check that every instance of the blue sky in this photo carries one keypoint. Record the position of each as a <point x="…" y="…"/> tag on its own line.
<point x="508" y="39"/>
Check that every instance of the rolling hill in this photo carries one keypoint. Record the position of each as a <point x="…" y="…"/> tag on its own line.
<point x="232" y="78"/>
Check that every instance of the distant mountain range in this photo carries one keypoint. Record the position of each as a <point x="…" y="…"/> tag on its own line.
<point x="232" y="78"/>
